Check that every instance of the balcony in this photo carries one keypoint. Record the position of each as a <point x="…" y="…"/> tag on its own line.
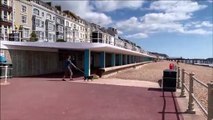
<point x="5" y="7"/>
<point x="5" y="21"/>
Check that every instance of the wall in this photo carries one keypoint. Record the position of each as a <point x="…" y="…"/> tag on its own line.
<point x="28" y="63"/>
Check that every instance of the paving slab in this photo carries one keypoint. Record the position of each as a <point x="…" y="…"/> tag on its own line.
<point x="53" y="99"/>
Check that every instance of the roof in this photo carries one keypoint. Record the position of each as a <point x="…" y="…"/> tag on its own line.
<point x="70" y="46"/>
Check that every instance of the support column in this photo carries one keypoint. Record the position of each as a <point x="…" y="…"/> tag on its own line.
<point x="191" y="93"/>
<point x="210" y="101"/>
<point x="113" y="59"/>
<point x="87" y="62"/>
<point x="102" y="60"/>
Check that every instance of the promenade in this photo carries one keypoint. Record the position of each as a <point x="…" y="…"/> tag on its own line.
<point x="49" y="98"/>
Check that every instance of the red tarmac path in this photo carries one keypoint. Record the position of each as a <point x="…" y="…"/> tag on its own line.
<point x="53" y="99"/>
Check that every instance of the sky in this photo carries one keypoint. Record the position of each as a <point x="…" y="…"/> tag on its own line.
<point x="182" y="28"/>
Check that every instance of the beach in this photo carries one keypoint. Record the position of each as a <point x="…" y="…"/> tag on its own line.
<point x="154" y="72"/>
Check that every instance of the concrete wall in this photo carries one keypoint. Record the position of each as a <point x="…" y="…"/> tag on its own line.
<point x="28" y="63"/>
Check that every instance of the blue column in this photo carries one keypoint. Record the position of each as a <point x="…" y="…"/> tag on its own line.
<point x="113" y="59"/>
<point x="120" y="59"/>
<point x="87" y="62"/>
<point x="102" y="60"/>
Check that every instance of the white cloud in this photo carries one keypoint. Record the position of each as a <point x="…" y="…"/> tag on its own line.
<point x="204" y="24"/>
<point x="85" y="11"/>
<point x="164" y="17"/>
<point x="177" y="6"/>
<point x="137" y="36"/>
<point x="128" y="25"/>
<point x="199" y="24"/>
<point x="113" y="5"/>
<point x="197" y="32"/>
<point x="169" y="19"/>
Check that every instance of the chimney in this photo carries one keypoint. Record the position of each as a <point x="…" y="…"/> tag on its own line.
<point x="113" y="30"/>
<point x="66" y="11"/>
<point x="49" y="3"/>
<point x="58" y="7"/>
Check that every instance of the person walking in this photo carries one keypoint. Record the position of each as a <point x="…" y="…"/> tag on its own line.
<point x="67" y="68"/>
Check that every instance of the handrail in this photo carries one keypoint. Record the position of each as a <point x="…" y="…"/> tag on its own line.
<point x="186" y="73"/>
<point x="199" y="104"/>
<point x="186" y="87"/>
<point x="200" y="82"/>
<point x="192" y="97"/>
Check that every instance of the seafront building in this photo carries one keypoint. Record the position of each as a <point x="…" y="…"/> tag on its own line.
<point x="48" y="34"/>
<point x="6" y="19"/>
<point x="23" y="18"/>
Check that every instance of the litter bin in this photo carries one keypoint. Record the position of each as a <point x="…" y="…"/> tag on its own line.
<point x="3" y="68"/>
<point x="169" y="80"/>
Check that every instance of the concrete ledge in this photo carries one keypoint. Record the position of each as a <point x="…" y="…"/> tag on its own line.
<point x="109" y="71"/>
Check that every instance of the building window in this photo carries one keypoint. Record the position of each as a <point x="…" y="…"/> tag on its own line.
<point x="42" y="24"/>
<point x="36" y="11"/>
<point x="26" y="33"/>
<point x="24" y="19"/>
<point x="5" y="15"/>
<point x="60" y="28"/>
<point x="42" y="35"/>
<point x="53" y="18"/>
<point x="42" y="14"/>
<point x="37" y="22"/>
<point x="49" y="16"/>
<point x="67" y="23"/>
<point x="23" y="9"/>
<point x="50" y="37"/>
<point x="51" y="27"/>
<point x="5" y="2"/>
<point x="5" y="30"/>
<point x="58" y="20"/>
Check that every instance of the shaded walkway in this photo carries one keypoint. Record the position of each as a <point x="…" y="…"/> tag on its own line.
<point x="51" y="99"/>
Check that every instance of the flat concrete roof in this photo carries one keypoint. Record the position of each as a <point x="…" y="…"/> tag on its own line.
<point x="54" y="46"/>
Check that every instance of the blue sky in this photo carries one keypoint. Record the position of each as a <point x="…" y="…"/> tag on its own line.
<point x="180" y="28"/>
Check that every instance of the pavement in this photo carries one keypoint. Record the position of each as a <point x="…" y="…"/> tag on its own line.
<point x="101" y="99"/>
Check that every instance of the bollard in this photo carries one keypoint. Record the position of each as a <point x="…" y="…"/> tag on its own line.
<point x="5" y="77"/>
<point x="210" y="101"/>
<point x="182" y="84"/>
<point x="191" y="92"/>
<point x="178" y="77"/>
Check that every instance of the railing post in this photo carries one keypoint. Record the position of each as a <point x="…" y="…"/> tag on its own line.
<point x="191" y="92"/>
<point x="178" y="77"/>
<point x="5" y="76"/>
<point x="182" y="83"/>
<point x="210" y="101"/>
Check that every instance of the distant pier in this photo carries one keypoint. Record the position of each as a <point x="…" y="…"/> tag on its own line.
<point x="202" y="62"/>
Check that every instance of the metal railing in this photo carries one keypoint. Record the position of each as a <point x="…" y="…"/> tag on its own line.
<point x="20" y="36"/>
<point x="192" y="98"/>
